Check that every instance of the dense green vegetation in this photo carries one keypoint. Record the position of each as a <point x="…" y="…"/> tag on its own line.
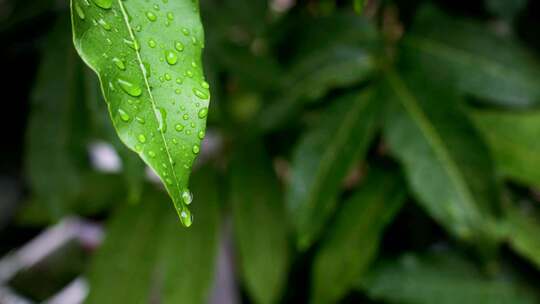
<point x="353" y="151"/>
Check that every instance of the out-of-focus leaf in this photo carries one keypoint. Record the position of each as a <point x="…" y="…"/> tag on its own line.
<point x="147" y="257"/>
<point x="51" y="165"/>
<point x="323" y="158"/>
<point x="514" y="140"/>
<point x="483" y="64"/>
<point x="358" y="6"/>
<point x="314" y="76"/>
<point x="504" y="8"/>
<point x="523" y="228"/>
<point x="132" y="166"/>
<point x="148" y="59"/>
<point x="353" y="239"/>
<point x="260" y="225"/>
<point x="97" y="193"/>
<point x="447" y="165"/>
<point x="442" y="278"/>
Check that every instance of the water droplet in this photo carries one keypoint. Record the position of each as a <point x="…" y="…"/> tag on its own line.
<point x="185" y="31"/>
<point x="189" y="74"/>
<point x="194" y="40"/>
<point x="203" y="112"/>
<point x="196" y="149"/>
<point x="151" y="16"/>
<point x="162" y="119"/>
<point x="104" y="25"/>
<point x="168" y="181"/>
<point x="80" y="11"/>
<point x="138" y="28"/>
<point x="171" y="57"/>
<point x="138" y="148"/>
<point x="141" y="138"/>
<point x="178" y="91"/>
<point x="201" y="134"/>
<point x="167" y="76"/>
<point x="132" y="44"/>
<point x="124" y="116"/>
<point x="194" y="64"/>
<point x="105" y="4"/>
<point x="185" y="117"/>
<point x="152" y="154"/>
<point x="179" y="46"/>
<point x="130" y="88"/>
<point x="147" y="69"/>
<point x="156" y="7"/>
<point x="152" y="43"/>
<point x="140" y="120"/>
<point x="179" y="127"/>
<point x="205" y="85"/>
<point x="186" y="218"/>
<point x="119" y="63"/>
<point x="170" y="16"/>
<point x="200" y="94"/>
<point x="187" y="197"/>
<point x="179" y="80"/>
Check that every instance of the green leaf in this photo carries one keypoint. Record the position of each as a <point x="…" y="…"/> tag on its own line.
<point x="504" y="8"/>
<point x="483" y="64"/>
<point x="446" y="163"/>
<point x="513" y="138"/>
<point x="442" y="278"/>
<point x="358" y="6"/>
<point x="260" y="226"/>
<point x="147" y="257"/>
<point x="323" y="158"/>
<point x="148" y="60"/>
<point x="523" y="227"/>
<point x="51" y="163"/>
<point x="352" y="241"/>
<point x="314" y="76"/>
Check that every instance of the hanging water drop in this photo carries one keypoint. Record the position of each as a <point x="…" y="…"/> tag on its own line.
<point x="187" y="197"/>
<point x="185" y="217"/>
<point x="201" y="134"/>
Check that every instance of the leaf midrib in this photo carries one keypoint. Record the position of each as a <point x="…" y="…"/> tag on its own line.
<point x="147" y="87"/>
<point x="330" y="154"/>
<point x="432" y="136"/>
<point x="455" y="54"/>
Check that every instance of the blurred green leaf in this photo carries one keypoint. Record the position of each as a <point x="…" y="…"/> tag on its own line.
<point x="260" y="225"/>
<point x="358" y="6"/>
<point x="148" y="257"/>
<point x="513" y="138"/>
<point x="504" y="8"/>
<point x="323" y="158"/>
<point x="483" y="64"/>
<point x="442" y="278"/>
<point x="314" y="76"/>
<point x="524" y="233"/>
<point x="353" y="238"/>
<point x="149" y="63"/>
<point x="51" y="161"/>
<point x="446" y="163"/>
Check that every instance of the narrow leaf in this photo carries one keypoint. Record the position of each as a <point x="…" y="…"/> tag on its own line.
<point x="148" y="258"/>
<point x="260" y="228"/>
<point x="323" y="158"/>
<point x="314" y="76"/>
<point x="50" y="162"/>
<point x="513" y="138"/>
<point x="440" y="278"/>
<point x="483" y="64"/>
<point x="147" y="57"/>
<point x="523" y="228"/>
<point x="447" y="165"/>
<point x="354" y="236"/>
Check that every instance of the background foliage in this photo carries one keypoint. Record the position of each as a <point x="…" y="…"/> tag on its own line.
<point x="356" y="152"/>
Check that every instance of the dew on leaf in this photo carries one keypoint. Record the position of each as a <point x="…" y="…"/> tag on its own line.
<point x="130" y="88"/>
<point x="104" y="4"/>
<point x="119" y="63"/>
<point x="201" y="134"/>
<point x="205" y="85"/>
<point x="196" y="149"/>
<point x="152" y="154"/>
<point x="203" y="112"/>
<point x="106" y="26"/>
<point x="80" y="11"/>
<point x="179" y="46"/>
<point x="171" y="57"/>
<point x="187" y="197"/>
<point x="152" y="43"/>
<point x="151" y="16"/>
<point x="179" y="127"/>
<point x="185" y="31"/>
<point x="124" y="116"/>
<point x="141" y="138"/>
<point x="170" y="16"/>
<point x="185" y="217"/>
<point x="200" y="94"/>
<point x="140" y="120"/>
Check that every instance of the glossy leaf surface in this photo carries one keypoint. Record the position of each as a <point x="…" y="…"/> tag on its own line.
<point x="147" y="55"/>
